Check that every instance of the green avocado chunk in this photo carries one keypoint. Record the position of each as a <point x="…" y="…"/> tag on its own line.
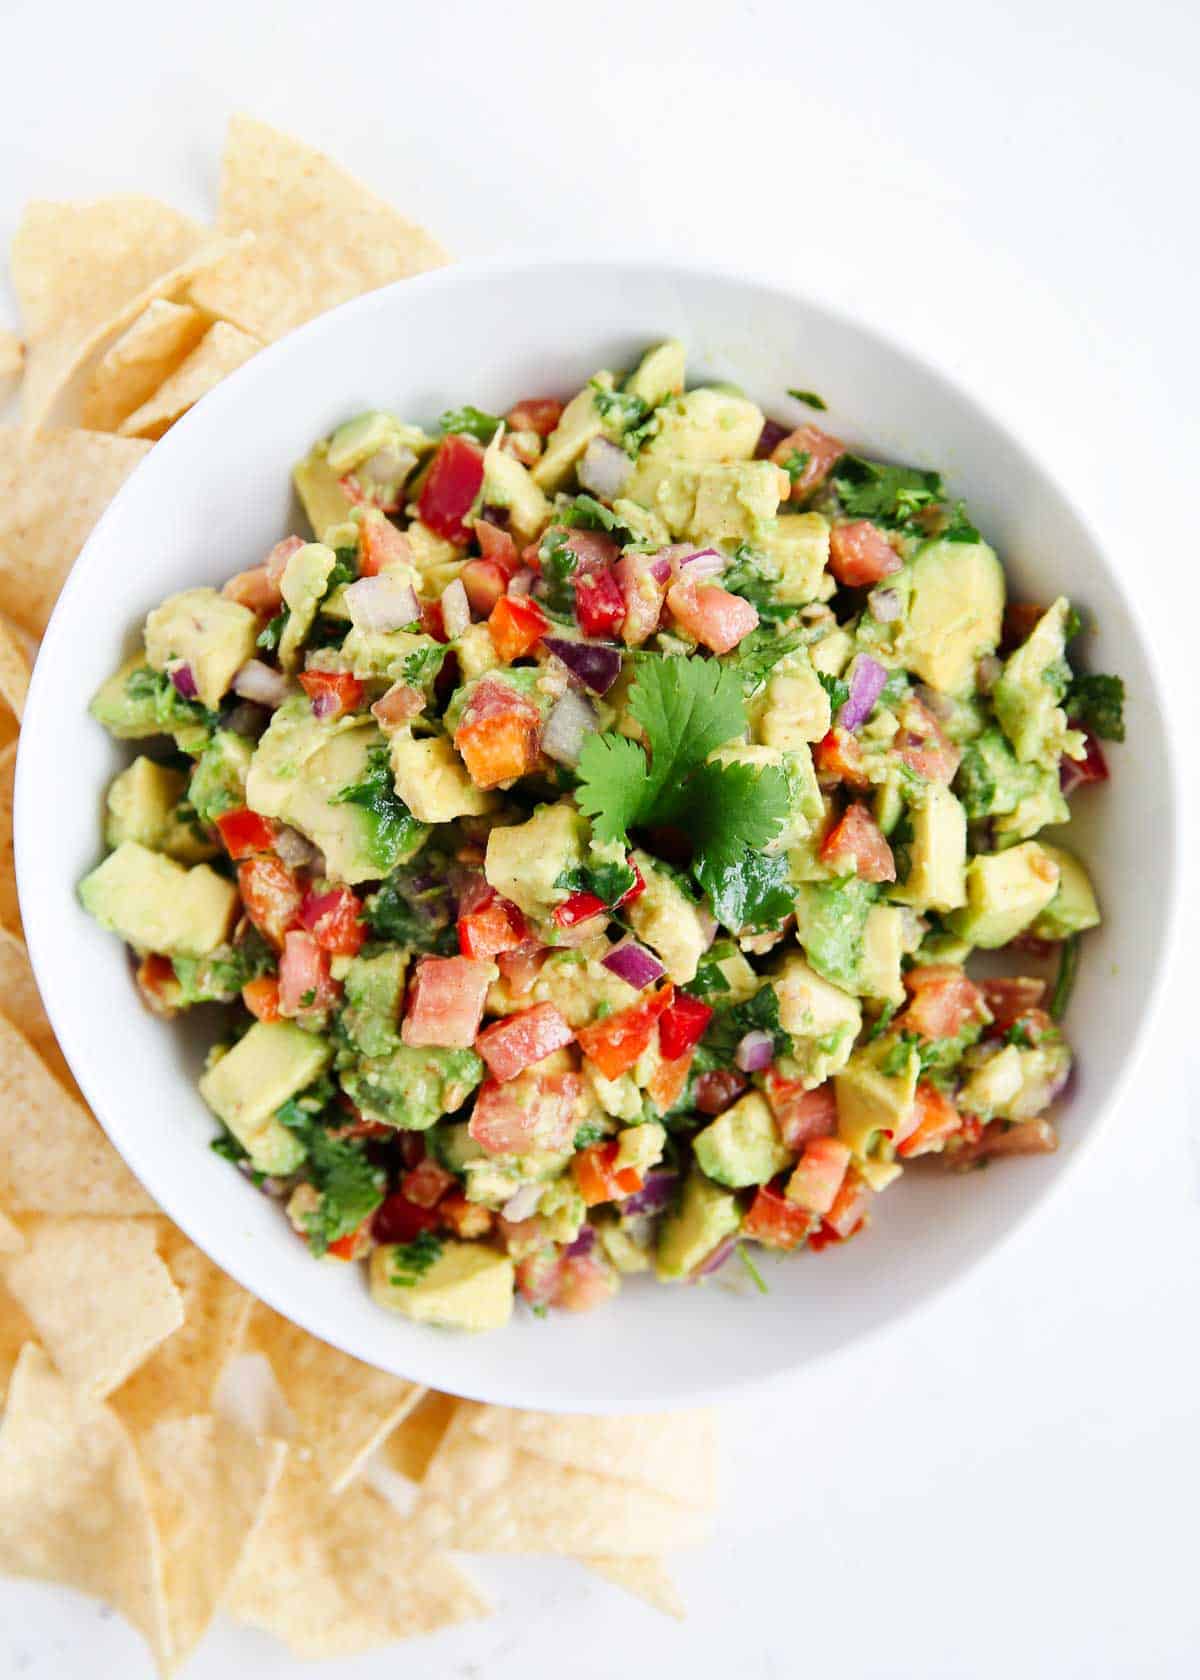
<point x="411" y="1087"/>
<point x="246" y="1086"/>
<point x="155" y="904"/>
<point x="705" y="1216"/>
<point x="743" y="1145"/>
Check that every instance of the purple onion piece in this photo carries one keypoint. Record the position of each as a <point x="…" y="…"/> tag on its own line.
<point x="867" y="677"/>
<point x="262" y="684"/>
<point x="522" y="581"/>
<point x="594" y="664"/>
<point x="771" y="435"/>
<point x="656" y="1193"/>
<point x="755" y="1051"/>
<point x="523" y="1203"/>
<point x="584" y="1243"/>
<point x="384" y="602"/>
<point x="632" y="963"/>
<point x="185" y="682"/>
<point x="571" y="720"/>
<point x="604" y="469"/>
<point x="702" y="563"/>
<point x="884" y="605"/>
<point x="714" y="1261"/>
<point x="660" y="565"/>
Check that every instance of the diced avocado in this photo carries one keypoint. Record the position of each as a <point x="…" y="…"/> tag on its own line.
<point x="622" y="1247"/>
<point x="432" y="779"/>
<point x="1014" y="1083"/>
<point x="705" y="426"/>
<point x="246" y="1086"/>
<point x="324" y="501"/>
<point x="641" y="1147"/>
<point x="524" y="862"/>
<point x="619" y="1098"/>
<point x="452" y="1146"/>
<point x="428" y="550"/>
<point x="562" y="1210"/>
<point x="411" y="1087"/>
<point x="736" y="502"/>
<point x="128" y="717"/>
<point x="1073" y="909"/>
<point x="1028" y="691"/>
<point x="643" y="525"/>
<point x="581" y="421"/>
<point x="156" y="904"/>
<point x="379" y="653"/>
<point x="990" y="782"/>
<point x="741" y="982"/>
<point x="659" y="374"/>
<point x="799" y="547"/>
<point x="797" y="706"/>
<point x="667" y="920"/>
<point x="468" y="1286"/>
<point x="507" y="484"/>
<point x="218" y="782"/>
<point x="743" y="1145"/>
<point x="186" y="839"/>
<point x="476" y="652"/>
<point x="1006" y="891"/>
<point x="936" y="878"/>
<point x="879" y="973"/>
<point x="941" y="947"/>
<point x="955" y="608"/>
<point x="887" y="806"/>
<point x="355" y="441"/>
<point x="832" y="653"/>
<point x="831" y="919"/>
<point x="821" y="1018"/>
<point x="1041" y="807"/>
<point x="141" y="802"/>
<point x="374" y="991"/>
<point x="705" y="1216"/>
<point x="211" y="635"/>
<point x="875" y="1094"/>
<point x="305" y="579"/>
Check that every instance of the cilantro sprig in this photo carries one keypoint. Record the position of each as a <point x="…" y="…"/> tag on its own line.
<point x="473" y="421"/>
<point x="393" y="831"/>
<point x="888" y="495"/>
<point x="410" y="1261"/>
<point x="350" y="1188"/>
<point x="1098" y="701"/>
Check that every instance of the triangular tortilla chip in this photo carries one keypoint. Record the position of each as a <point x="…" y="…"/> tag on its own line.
<point x="209" y="1485"/>
<point x="180" y="1376"/>
<point x="54" y="1158"/>
<point x="15" y="1331"/>
<point x="16" y="666"/>
<point x="219" y="353"/>
<point x="321" y="237"/>
<point x="98" y="1293"/>
<point x="54" y="485"/>
<point x="22" y="1004"/>
<point x="73" y="1501"/>
<point x="647" y="1578"/>
<point x="342" y="1408"/>
<point x="332" y="1575"/>
<point x="410" y="1447"/>
<point x="10" y="908"/>
<point x="12" y="361"/>
<point x="135" y="365"/>
<point x="76" y="268"/>
<point x="12" y="1238"/>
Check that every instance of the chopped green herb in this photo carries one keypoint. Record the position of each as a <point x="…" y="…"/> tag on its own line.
<point x="797" y="464"/>
<point x="607" y="881"/>
<point x="756" y="1276"/>
<point x="810" y="399"/>
<point x="887" y="495"/>
<point x="420" y="668"/>
<point x="410" y="1261"/>
<point x="349" y="1186"/>
<point x="395" y="832"/>
<point x="268" y="636"/>
<point x="1099" y="702"/>
<point x="1064" y="984"/>
<point x="415" y="911"/>
<point x="473" y="421"/>
<point x="837" y="690"/>
<point x="589" y="1132"/>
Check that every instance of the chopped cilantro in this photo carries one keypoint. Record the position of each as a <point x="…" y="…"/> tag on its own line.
<point x="752" y="576"/>
<point x="607" y="881"/>
<point x="344" y="570"/>
<point x="1019" y="1035"/>
<point x="349" y="1186"/>
<point x="757" y="655"/>
<point x="308" y="998"/>
<point x="1064" y="984"/>
<point x="413" y="910"/>
<point x="268" y="636"/>
<point x="420" y="668"/>
<point x="885" y="494"/>
<point x="410" y="1261"/>
<point x="473" y="421"/>
<point x="880" y="1024"/>
<point x="810" y="399"/>
<point x="624" y="412"/>
<point x="837" y="690"/>
<point x="589" y="1132"/>
<point x="796" y="464"/>
<point x="894" y="1061"/>
<point x="1099" y="702"/>
<point x="558" y="561"/>
<point x="394" y="832"/>
<point x="171" y="712"/>
<point x="755" y="1275"/>
<point x="587" y="514"/>
<point x="220" y="976"/>
<point x="960" y="529"/>
<point x="731" y="1023"/>
<point x="229" y="1149"/>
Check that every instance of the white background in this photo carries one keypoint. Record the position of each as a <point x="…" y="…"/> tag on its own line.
<point x="1008" y="1485"/>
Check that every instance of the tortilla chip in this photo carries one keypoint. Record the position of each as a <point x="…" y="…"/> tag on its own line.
<point x="12" y="361"/>
<point x="54" y="1158"/>
<point x="73" y="1501"/>
<point x="12" y="1239"/>
<point x="10" y="909"/>
<point x="54" y="485"/>
<point x="209" y="1485"/>
<point x="23" y="1005"/>
<point x="16" y="666"/>
<point x="137" y="363"/>
<point x="647" y="1578"/>
<point x="219" y="353"/>
<point x="342" y="1408"/>
<point x="672" y="1453"/>
<point x="98" y="1293"/>
<point x="334" y="1575"/>
<point x="181" y="1375"/>
<point x="15" y="1331"/>
<point x="321" y="237"/>
<point x="76" y="268"/>
<point x="411" y="1445"/>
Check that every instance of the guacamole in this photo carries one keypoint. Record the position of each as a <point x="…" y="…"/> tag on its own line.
<point x="584" y="834"/>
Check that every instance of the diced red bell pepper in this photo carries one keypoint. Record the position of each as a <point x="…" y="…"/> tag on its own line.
<point x="801" y="1114"/>
<point x="485" y="583"/>
<point x="354" y="1245"/>
<point x="333" y="694"/>
<point x="433" y="621"/>
<point x="599" y="604"/>
<point x="683" y="1025"/>
<point x="776" y="1222"/>
<point x="271" y="895"/>
<point x="942" y="1001"/>
<point x="305" y="982"/>
<point x="533" y="1111"/>
<point x="245" y="833"/>
<point x="598" y="1176"/>
<point x="616" y="1042"/>
<point x="838" y="758"/>
<point x="517" y="1042"/>
<point x="856" y="840"/>
<point x="639" y="882"/>
<point x="860" y="554"/>
<point x="454" y="480"/>
<point x="535" y="414"/>
<point x="498" y="734"/>
<point x="445" y="1002"/>
<point x="934" y="1119"/>
<point x="1078" y="772"/>
<point x="332" y="918"/>
<point x="818" y="1175"/>
<point x="580" y="907"/>
<point x="397" y="1220"/>
<point x="516" y="625"/>
<point x="669" y="1081"/>
<point x="823" y="453"/>
<point x="492" y="926"/>
<point x="261" y="997"/>
<point x="427" y="1183"/>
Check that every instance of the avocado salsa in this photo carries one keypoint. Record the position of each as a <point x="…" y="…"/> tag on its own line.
<point x="587" y="833"/>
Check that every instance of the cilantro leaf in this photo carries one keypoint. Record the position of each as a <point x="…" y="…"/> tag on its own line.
<point x="837" y="690"/>
<point x="1099" y="702"/>
<point x="587" y="514"/>
<point x="885" y="494"/>
<point x="734" y="811"/>
<point x="393" y="832"/>
<point x="349" y="1186"/>
<point x="758" y="653"/>
<point x="473" y="421"/>
<point x="414" y="910"/>
<point x="796" y="463"/>
<point x="1064" y="980"/>
<point x="421" y="667"/>
<point x="753" y="577"/>
<point x="731" y="1023"/>
<point x="410" y="1261"/>
<point x="168" y="708"/>
<point x="607" y="881"/>
<point x="268" y="636"/>
<point x="810" y="399"/>
<point x="614" y="786"/>
<point x="688" y="708"/>
<point x="344" y="570"/>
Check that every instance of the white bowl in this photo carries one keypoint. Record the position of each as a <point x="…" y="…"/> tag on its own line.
<point x="214" y="496"/>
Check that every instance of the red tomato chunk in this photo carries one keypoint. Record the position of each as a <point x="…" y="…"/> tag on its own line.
<point x="510" y="1046"/>
<point x="445" y="1002"/>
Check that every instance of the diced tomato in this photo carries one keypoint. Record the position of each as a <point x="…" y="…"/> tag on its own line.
<point x="639" y="882"/>
<point x="380" y="545"/>
<point x="271" y="895"/>
<point x="427" y="1183"/>
<point x="245" y="833"/>
<point x="278" y="557"/>
<point x="616" y="1042"/>
<point x="1078" y="772"/>
<point x="823" y="452"/>
<point x="305" y="982"/>
<point x="401" y="703"/>
<point x="942" y="999"/>
<point x="683" y="1025"/>
<point x="354" y="1245"/>
<point x="466" y="1219"/>
<point x="934" y="1118"/>
<point x="491" y="927"/>
<point x="847" y="1214"/>
<point x="498" y="734"/>
<point x="397" y="1220"/>
<point x="593" y="551"/>
<point x="716" y="1091"/>
<point x="538" y="1274"/>
<point x="716" y="618"/>
<point x="838" y="757"/>
<point x="485" y="583"/>
<point x="599" y="604"/>
<point x="535" y="414"/>
<point x="923" y="744"/>
<point x="856" y="840"/>
<point x="643" y="594"/>
<point x="598" y="1176"/>
<point x="453" y="482"/>
<point x="521" y="967"/>
<point x="818" y="1175"/>
<point x="1008" y="1000"/>
<point x="534" y="1111"/>
<point x="515" y="1043"/>
<point x="332" y="918"/>
<point x="159" y="985"/>
<point x="669" y="1081"/>
<point x="801" y="1114"/>
<point x="516" y="625"/>
<point x="776" y="1222"/>
<point x="580" y="907"/>
<point x="255" y="589"/>
<point x="261" y="997"/>
<point x="445" y="1002"/>
<point x="584" y="1281"/>
<point x="859" y="554"/>
<point x="433" y="620"/>
<point x="497" y="546"/>
<point x="1026" y="1137"/>
<point x="332" y="694"/>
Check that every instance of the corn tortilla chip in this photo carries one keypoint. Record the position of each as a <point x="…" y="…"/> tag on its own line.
<point x="12" y="1240"/>
<point x="54" y="1158"/>
<point x="219" y="353"/>
<point x="16" y="666"/>
<point x="180" y="1376"/>
<point x="332" y="1575"/>
<point x="647" y="1578"/>
<point x="320" y="236"/>
<point x="136" y="364"/>
<point x="73" y="1501"/>
<point x="98" y="1293"/>
<point x="54" y="485"/>
<point x="412" y="1444"/>
<point x="76" y="268"/>
<point x="23" y="1005"/>
<point x="15" y="1331"/>
<point x="342" y="1408"/>
<point x="209" y="1485"/>
<point x="10" y="909"/>
<point x="12" y="361"/>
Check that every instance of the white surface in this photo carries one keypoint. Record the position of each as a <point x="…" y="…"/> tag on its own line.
<point x="1009" y="1483"/>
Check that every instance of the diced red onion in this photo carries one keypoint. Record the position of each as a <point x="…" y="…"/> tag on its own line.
<point x="772" y="433"/>
<point x="584" y="1243"/>
<point x="390" y="466"/>
<point x="632" y="962"/>
<point x="659" y="565"/>
<point x="604" y="469"/>
<point x="261" y="683"/>
<point x="521" y="582"/>
<point x="755" y="1051"/>
<point x="384" y="602"/>
<point x="185" y="682"/>
<point x="867" y="677"/>
<point x="702" y="563"/>
<point x="595" y="665"/>
<point x="708" y="926"/>
<point x="456" y="609"/>
<point x="884" y="605"/>
<point x="523" y="1203"/>
<point x="656" y="1193"/>
<point x="572" y="718"/>
<point x="714" y="1261"/>
<point x="296" y="851"/>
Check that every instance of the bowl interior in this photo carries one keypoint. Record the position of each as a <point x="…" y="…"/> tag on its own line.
<point x="214" y="496"/>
